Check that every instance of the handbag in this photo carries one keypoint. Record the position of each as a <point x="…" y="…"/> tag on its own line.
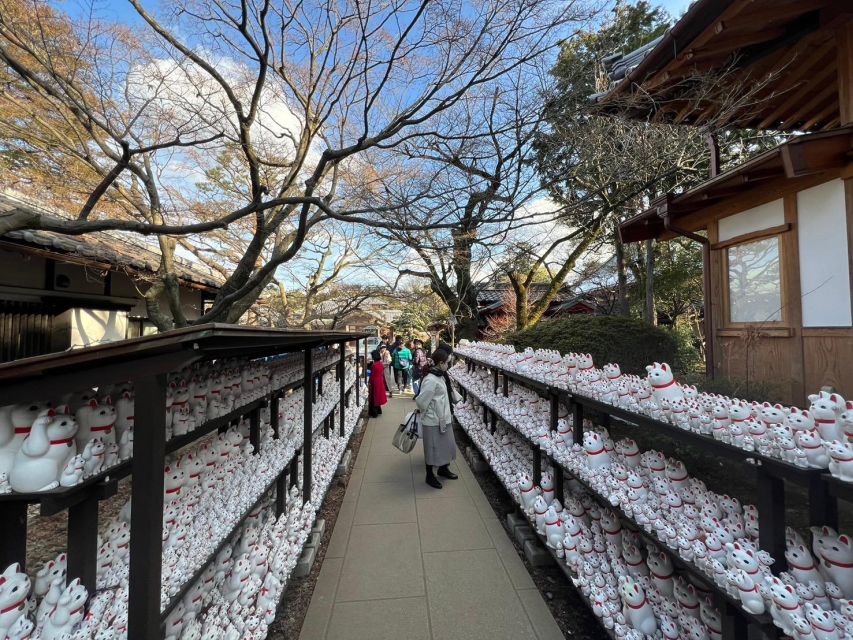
<point x="406" y="437"/>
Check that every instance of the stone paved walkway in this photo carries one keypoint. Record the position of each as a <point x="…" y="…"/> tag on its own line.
<point x="407" y="561"/>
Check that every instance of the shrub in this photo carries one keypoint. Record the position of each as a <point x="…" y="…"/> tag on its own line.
<point x="630" y="342"/>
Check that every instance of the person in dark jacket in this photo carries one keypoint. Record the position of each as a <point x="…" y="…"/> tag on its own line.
<point x="420" y="364"/>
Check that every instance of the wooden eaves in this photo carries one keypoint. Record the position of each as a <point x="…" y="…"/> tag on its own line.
<point x="799" y="157"/>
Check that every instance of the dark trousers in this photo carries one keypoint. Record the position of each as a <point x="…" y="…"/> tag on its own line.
<point x="402" y="377"/>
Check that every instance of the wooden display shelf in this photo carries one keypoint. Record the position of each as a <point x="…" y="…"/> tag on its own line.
<point x="55" y="500"/>
<point x="570" y="576"/>
<point x="173" y="602"/>
<point x="723" y="599"/>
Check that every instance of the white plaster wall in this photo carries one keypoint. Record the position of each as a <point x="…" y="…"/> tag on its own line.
<point x="824" y="261"/>
<point x="86" y="327"/>
<point x="765" y="216"/>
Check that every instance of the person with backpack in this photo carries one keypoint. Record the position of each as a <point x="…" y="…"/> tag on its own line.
<point x="402" y="367"/>
<point x="420" y="365"/>
<point x="388" y="365"/>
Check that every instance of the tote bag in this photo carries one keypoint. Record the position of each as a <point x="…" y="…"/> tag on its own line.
<point x="406" y="437"/>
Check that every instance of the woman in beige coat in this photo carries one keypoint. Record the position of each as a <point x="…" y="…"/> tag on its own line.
<point x="434" y="402"/>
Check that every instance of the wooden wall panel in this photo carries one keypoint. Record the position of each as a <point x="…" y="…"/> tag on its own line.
<point x="829" y="360"/>
<point x="768" y="360"/>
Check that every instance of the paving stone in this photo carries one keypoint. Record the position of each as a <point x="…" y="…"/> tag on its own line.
<point x="322" y="599"/>
<point x="471" y="598"/>
<point x="354" y="485"/>
<point x="385" y="502"/>
<point x="523" y="533"/>
<point x="382" y="561"/>
<point x="305" y="562"/>
<point x="340" y="534"/>
<point x="512" y="562"/>
<point x="343" y="467"/>
<point x="540" y="616"/>
<point x="401" y="618"/>
<point x="451" y="524"/>
<point x="319" y="525"/>
<point x="515" y="519"/>
<point x="314" y="539"/>
<point x="390" y="467"/>
<point x="536" y="554"/>
<point x="381" y="581"/>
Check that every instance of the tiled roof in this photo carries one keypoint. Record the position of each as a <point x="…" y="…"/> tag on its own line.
<point x="621" y="64"/>
<point x="121" y="250"/>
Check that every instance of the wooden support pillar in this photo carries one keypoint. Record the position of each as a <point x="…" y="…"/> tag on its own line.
<point x="357" y="379"/>
<point x="83" y="541"/>
<point x="255" y="430"/>
<point x="342" y="369"/>
<point x="577" y="422"/>
<point x="146" y="517"/>
<point x="307" y="425"/>
<point x="13" y="534"/>
<point x="823" y="508"/>
<point x="771" y="517"/>
<point x="734" y="625"/>
<point x="274" y="415"/>
<point x="294" y="468"/>
<point x="281" y="493"/>
<point x="537" y="465"/>
<point x="553" y="418"/>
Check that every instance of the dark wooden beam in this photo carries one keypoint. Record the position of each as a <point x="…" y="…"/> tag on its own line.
<point x="768" y="14"/>
<point x="823" y="117"/>
<point x="815" y="79"/>
<point x="818" y="101"/>
<point x="844" y="37"/>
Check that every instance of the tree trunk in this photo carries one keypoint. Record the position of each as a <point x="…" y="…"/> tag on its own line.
<point x="465" y="309"/>
<point x="621" y="277"/>
<point x="650" y="311"/>
<point x="522" y="308"/>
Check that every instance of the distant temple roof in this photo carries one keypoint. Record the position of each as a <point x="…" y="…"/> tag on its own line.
<point x="112" y="248"/>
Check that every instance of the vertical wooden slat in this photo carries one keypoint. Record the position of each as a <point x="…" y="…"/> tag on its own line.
<point x="792" y="298"/>
<point x="845" y="72"/>
<point x="26" y="329"/>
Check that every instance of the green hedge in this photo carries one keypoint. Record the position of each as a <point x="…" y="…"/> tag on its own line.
<point x="631" y="343"/>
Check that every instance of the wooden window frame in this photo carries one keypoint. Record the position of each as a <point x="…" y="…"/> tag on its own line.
<point x="784" y="324"/>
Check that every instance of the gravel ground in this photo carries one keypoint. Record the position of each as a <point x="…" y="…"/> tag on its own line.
<point x="297" y="595"/>
<point x="572" y="614"/>
<point x="47" y="536"/>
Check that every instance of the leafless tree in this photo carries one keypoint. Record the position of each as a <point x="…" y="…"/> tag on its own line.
<point x="483" y="180"/>
<point x="274" y="102"/>
<point x="338" y="268"/>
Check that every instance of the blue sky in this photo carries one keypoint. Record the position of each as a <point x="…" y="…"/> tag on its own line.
<point x="674" y="7"/>
<point x="122" y="11"/>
